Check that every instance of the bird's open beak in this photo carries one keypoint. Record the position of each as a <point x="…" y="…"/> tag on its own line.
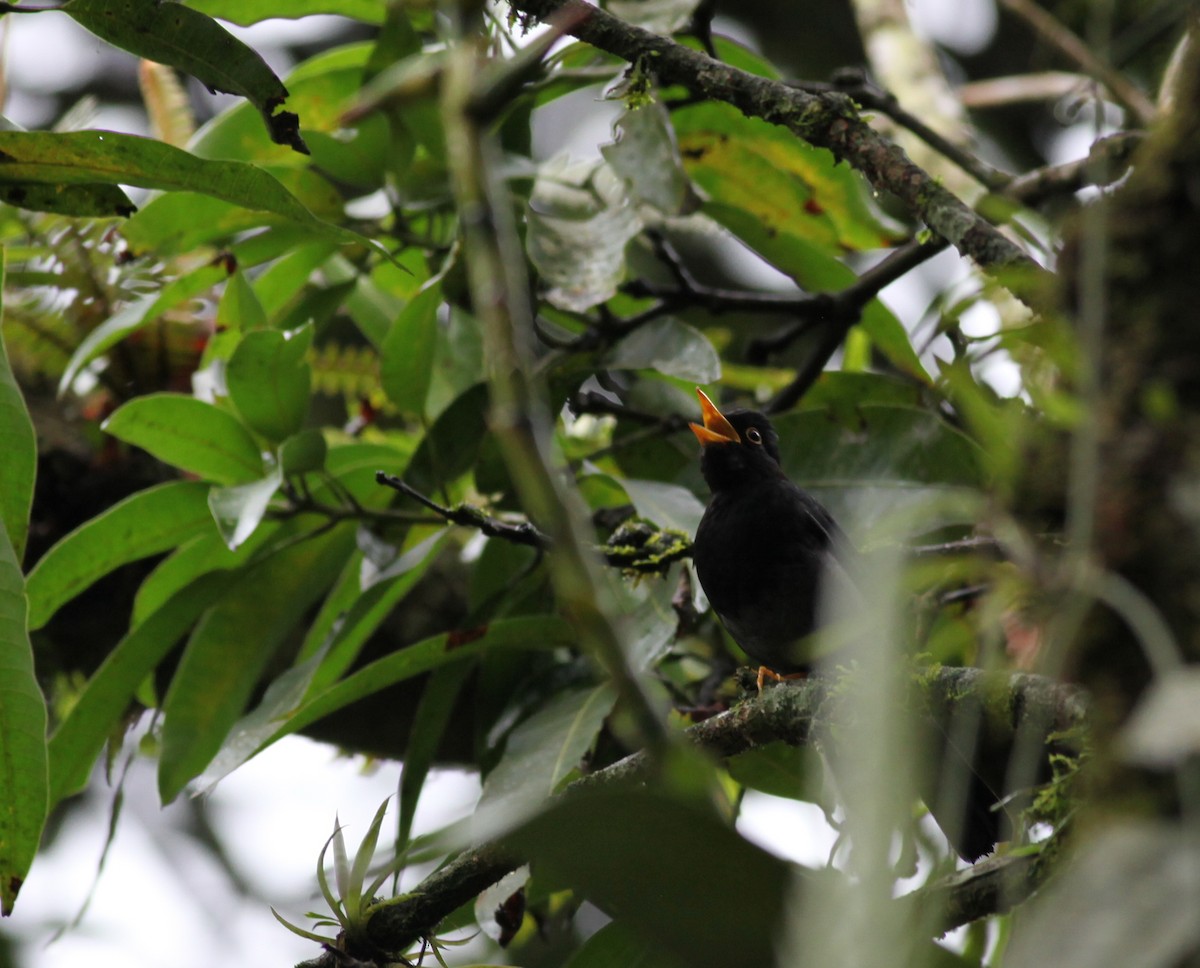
<point x="716" y="429"/>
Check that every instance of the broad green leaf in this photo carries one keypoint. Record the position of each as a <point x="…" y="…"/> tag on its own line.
<point x="785" y="183"/>
<point x="614" y="946"/>
<point x="78" y="201"/>
<point x="781" y="770"/>
<point x="239" y="307"/>
<point x="86" y="157"/>
<point x="246" y="12"/>
<point x="269" y="380"/>
<point x="18" y="445"/>
<point x="279" y="283"/>
<point x="579" y="221"/>
<point x="231" y="646"/>
<point x="429" y="725"/>
<point x="189" y="434"/>
<point x="141" y="312"/>
<point x="878" y="461"/>
<point x="176" y="222"/>
<point x="195" y="558"/>
<point x="23" y="771"/>
<point x="450" y="447"/>
<point x="146" y="523"/>
<point x="351" y="615"/>
<point x="240" y="508"/>
<point x="170" y="33"/>
<point x="303" y="453"/>
<point x="538" y="755"/>
<point x="538" y="632"/>
<point x="671" y="873"/>
<point x="80" y="737"/>
<point x="669" y="346"/>
<point x="321" y="88"/>
<point x="406" y="366"/>
<point x="285" y="693"/>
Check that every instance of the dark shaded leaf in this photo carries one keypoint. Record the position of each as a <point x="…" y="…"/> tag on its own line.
<point x="18" y="444"/>
<point x="143" y="524"/>
<point x="23" y="770"/>
<point x="170" y="33"/>
<point x="78" y="201"/>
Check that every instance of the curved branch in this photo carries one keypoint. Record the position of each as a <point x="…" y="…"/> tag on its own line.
<point x="791" y="713"/>
<point x="825" y="120"/>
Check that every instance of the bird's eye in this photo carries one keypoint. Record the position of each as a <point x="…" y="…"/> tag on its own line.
<point x="753" y="436"/>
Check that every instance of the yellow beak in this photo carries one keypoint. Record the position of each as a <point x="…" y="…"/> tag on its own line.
<point x="716" y="429"/>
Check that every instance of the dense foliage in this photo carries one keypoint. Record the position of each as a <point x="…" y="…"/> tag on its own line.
<point x="348" y="413"/>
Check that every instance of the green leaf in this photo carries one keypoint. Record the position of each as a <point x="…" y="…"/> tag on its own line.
<point x="189" y="434"/>
<point x="787" y="185"/>
<point x="539" y="754"/>
<point x="231" y="646"/>
<point x="671" y="873"/>
<point x="579" y="221"/>
<point x="170" y="33"/>
<point x="246" y="12"/>
<point x="85" y="157"/>
<point x="406" y="367"/>
<point x="18" y="444"/>
<point x="239" y="307"/>
<point x="532" y="632"/>
<point x="669" y="346"/>
<point x="451" y="446"/>
<point x="80" y="737"/>
<point x="303" y="453"/>
<point x="429" y="725"/>
<point x="877" y="462"/>
<point x="614" y="946"/>
<point x="24" y="781"/>
<point x="269" y="380"/>
<point x="143" y="524"/>
<point x="240" y="508"/>
<point x="177" y="222"/>
<point x="195" y="558"/>
<point x="78" y="201"/>
<point x="139" y="313"/>
<point x="781" y="770"/>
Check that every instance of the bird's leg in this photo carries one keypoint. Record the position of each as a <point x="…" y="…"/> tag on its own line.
<point x="764" y="673"/>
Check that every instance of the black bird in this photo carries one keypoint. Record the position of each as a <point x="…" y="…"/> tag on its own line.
<point x="767" y="552"/>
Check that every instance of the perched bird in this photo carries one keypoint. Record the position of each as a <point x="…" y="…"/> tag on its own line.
<point x="768" y="556"/>
<point x="767" y="553"/>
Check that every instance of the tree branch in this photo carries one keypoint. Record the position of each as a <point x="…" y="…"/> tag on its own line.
<point x="791" y="713"/>
<point x="825" y="120"/>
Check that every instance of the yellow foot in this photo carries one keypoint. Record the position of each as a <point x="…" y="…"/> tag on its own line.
<point x="764" y="673"/>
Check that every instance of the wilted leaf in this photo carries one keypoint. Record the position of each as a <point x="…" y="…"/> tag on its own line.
<point x="646" y="156"/>
<point x="239" y="508"/>
<point x="580" y="220"/>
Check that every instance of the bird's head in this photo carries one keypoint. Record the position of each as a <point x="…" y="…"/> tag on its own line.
<point x="740" y="446"/>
